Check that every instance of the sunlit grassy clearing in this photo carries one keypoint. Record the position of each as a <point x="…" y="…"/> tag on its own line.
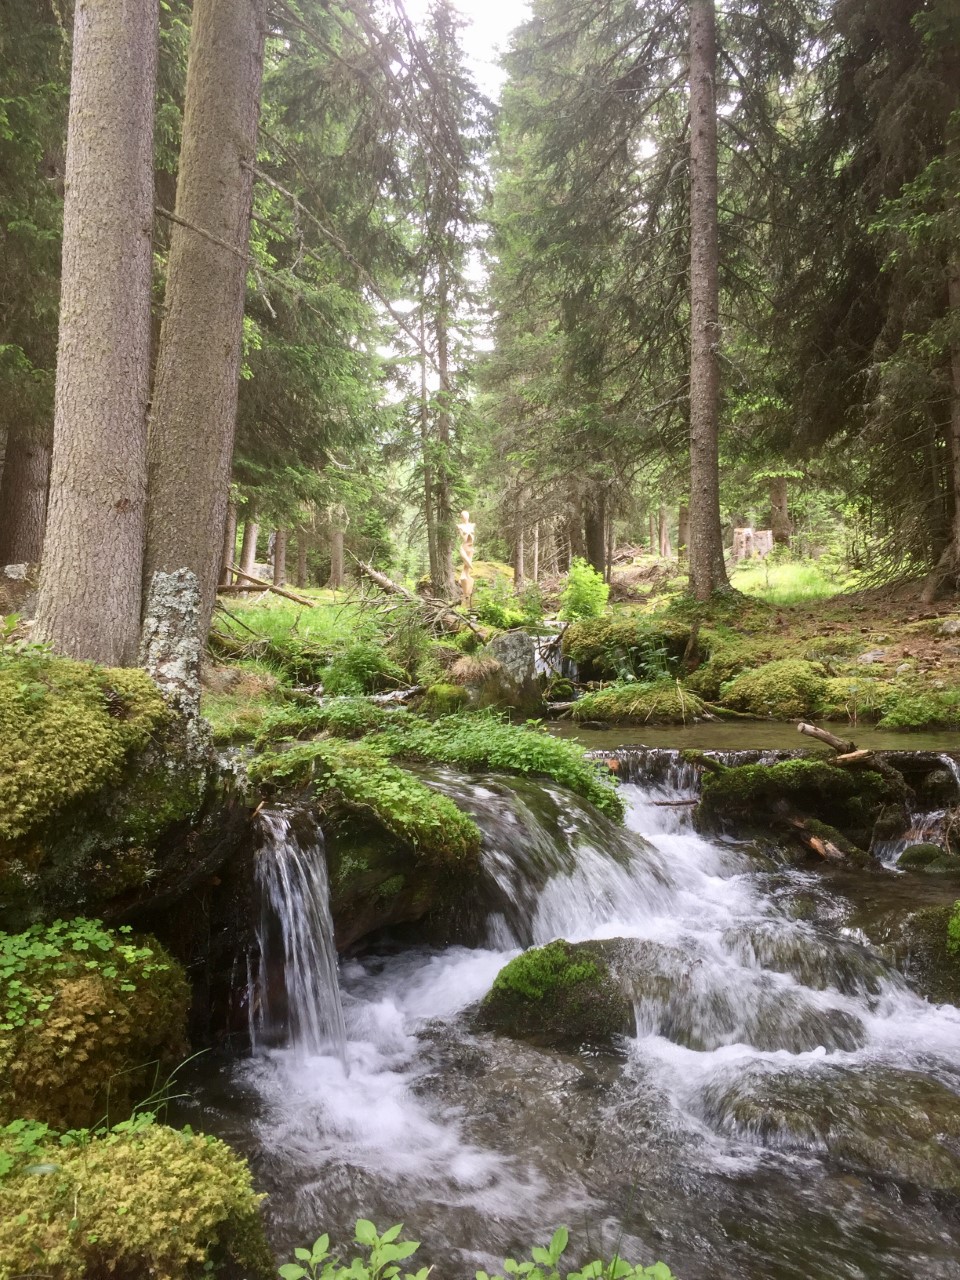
<point x="787" y="582"/>
<point x="333" y="621"/>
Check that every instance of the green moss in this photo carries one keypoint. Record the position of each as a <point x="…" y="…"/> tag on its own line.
<point x="632" y="647"/>
<point x="761" y="796"/>
<point x="660" y="702"/>
<point x="363" y="777"/>
<point x="919" y="855"/>
<point x="729" y="655"/>
<point x="147" y="1201"/>
<point x="442" y="699"/>
<point x="66" y="730"/>
<point x="90" y="1020"/>
<point x="783" y="690"/>
<point x="932" y="938"/>
<point x="936" y="709"/>
<point x="486" y="740"/>
<point x="561" y="993"/>
<point x="854" y="697"/>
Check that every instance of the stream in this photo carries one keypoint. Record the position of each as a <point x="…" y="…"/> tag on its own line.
<point x="788" y="1108"/>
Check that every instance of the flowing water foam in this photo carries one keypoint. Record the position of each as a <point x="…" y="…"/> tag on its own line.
<point x="390" y="1098"/>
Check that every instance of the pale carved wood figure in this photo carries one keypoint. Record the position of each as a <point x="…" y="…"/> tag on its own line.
<point x="466" y="529"/>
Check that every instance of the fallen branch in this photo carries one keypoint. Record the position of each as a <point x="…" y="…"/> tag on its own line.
<point x="426" y="604"/>
<point x="822" y="735"/>
<point x="268" y="586"/>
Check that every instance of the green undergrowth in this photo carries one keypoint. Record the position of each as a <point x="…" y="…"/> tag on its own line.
<point x="382" y="1253"/>
<point x="136" y="1199"/>
<point x="782" y="690"/>
<point x="781" y="580"/>
<point x="66" y="730"/>
<point x="657" y="702"/>
<point x="89" y="1018"/>
<point x="485" y="740"/>
<point x="362" y="775"/>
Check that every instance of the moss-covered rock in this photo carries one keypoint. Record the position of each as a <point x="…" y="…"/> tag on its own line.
<point x="66" y="730"/>
<point x="916" y="856"/>
<point x="563" y="993"/>
<point x="91" y="1021"/>
<point x="611" y="647"/>
<point x="660" y="702"/>
<point x="766" y="797"/>
<point x="443" y="699"/>
<point x="151" y="1201"/>
<point x="783" y="690"/>
<point x="932" y="957"/>
<point x="362" y="776"/>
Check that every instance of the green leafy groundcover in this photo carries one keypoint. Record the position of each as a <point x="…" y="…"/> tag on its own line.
<point x="384" y="1253"/>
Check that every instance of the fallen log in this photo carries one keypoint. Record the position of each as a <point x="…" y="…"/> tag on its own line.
<point x="822" y="735"/>
<point x="268" y="586"/>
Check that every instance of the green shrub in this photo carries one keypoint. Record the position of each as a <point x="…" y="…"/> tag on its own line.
<point x="495" y="605"/>
<point x="66" y="730"/>
<point x="585" y="595"/>
<point x="783" y="690"/>
<point x="136" y="1200"/>
<point x="88" y="1020"/>
<point x="660" y="702"/>
<point x="936" y="709"/>
<point x="488" y="741"/>
<point x="953" y="930"/>
<point x="361" y="774"/>
<point x="363" y="667"/>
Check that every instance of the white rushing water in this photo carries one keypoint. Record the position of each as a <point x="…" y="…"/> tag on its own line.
<point x="732" y="991"/>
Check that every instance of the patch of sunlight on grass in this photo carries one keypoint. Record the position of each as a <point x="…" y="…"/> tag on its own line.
<point x="333" y="621"/>
<point x="788" y="581"/>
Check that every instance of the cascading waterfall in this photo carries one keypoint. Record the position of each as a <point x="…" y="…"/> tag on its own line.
<point x="773" y="1055"/>
<point x="293" y="989"/>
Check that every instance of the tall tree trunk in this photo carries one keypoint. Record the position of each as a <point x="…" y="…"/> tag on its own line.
<point x="707" y="570"/>
<point x="611" y="540"/>
<point x="335" y="581"/>
<point x="445" y="584"/>
<point x="248" y="548"/>
<point x="594" y="524"/>
<point x="23" y="500"/>
<point x="954" y="299"/>
<point x="280" y="557"/>
<point x="430" y="515"/>
<point x="536" y="550"/>
<point x="780" y="525"/>
<point x="683" y="531"/>
<point x="652" y="525"/>
<point x="229" y="545"/>
<point x="302" y="537"/>
<point x="519" y="568"/>
<point x="198" y="368"/>
<point x="663" y="534"/>
<point x="89" y="604"/>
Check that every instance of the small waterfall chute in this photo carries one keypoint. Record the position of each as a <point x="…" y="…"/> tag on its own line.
<point x="294" y="992"/>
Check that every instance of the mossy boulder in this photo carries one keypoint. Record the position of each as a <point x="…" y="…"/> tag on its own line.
<point x="611" y="647"/>
<point x="916" y="856"/>
<point x="932" y="952"/>
<point x="782" y="690"/>
<point x="150" y="1201"/>
<point x="90" y="1022"/>
<point x="561" y="994"/>
<point x="443" y="699"/>
<point x="659" y="702"/>
<point x="759" y="797"/>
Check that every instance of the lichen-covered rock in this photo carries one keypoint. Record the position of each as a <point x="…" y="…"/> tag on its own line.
<point x="152" y="1201"/>
<point x="511" y="683"/>
<point x="90" y="1021"/>
<point x="563" y="993"/>
<point x="782" y="690"/>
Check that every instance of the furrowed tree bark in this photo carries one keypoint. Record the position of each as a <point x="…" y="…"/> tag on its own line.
<point x="229" y="545"/>
<point x="779" y="512"/>
<point x="248" y="548"/>
<point x="279" y="557"/>
<point x="594" y="526"/>
<point x="663" y="531"/>
<point x="198" y="368"/>
<point x="707" y="570"/>
<point x="90" y="588"/>
<point x="23" y="501"/>
<point x="335" y="580"/>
